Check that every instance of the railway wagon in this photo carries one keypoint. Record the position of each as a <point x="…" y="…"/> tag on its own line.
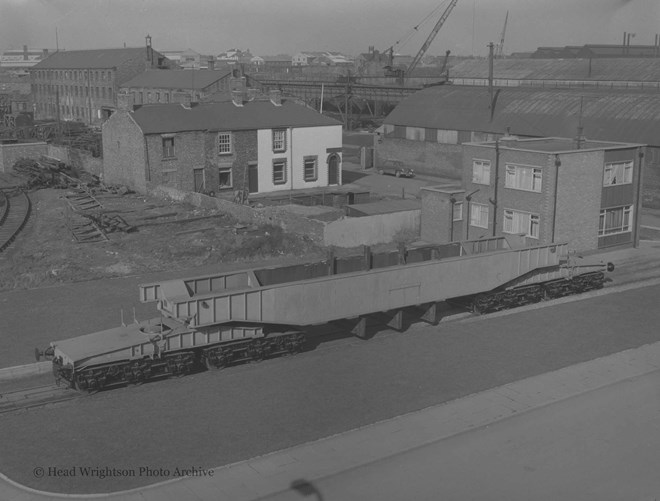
<point x="219" y="319"/>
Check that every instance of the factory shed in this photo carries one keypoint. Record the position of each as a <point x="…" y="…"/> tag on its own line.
<point x="427" y="129"/>
<point x="549" y="73"/>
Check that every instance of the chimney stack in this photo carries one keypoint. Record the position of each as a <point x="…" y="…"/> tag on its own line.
<point x="275" y="97"/>
<point x="125" y="101"/>
<point x="211" y="64"/>
<point x="25" y="53"/>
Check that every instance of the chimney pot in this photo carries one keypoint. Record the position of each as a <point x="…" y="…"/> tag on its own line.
<point x="237" y="97"/>
<point x="275" y="97"/>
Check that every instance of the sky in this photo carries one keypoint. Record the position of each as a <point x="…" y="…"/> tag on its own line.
<point x="270" y="27"/>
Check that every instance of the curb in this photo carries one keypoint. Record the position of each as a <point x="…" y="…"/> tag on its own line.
<point x="21" y="371"/>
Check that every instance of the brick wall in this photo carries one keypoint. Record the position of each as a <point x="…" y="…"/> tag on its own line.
<point x="124" y="159"/>
<point x="80" y="159"/>
<point x="578" y="199"/>
<point x="423" y="156"/>
<point x="244" y="150"/>
<point x="9" y="153"/>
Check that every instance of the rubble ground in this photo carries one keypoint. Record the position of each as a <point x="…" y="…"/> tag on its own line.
<point x="166" y="236"/>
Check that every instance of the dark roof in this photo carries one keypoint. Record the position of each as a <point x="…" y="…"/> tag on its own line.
<point x="176" y="79"/>
<point x="99" y="58"/>
<point x="167" y="118"/>
<point x="605" y="69"/>
<point x="609" y="115"/>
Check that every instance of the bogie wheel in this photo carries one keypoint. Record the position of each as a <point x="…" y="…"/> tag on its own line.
<point x="397" y="173"/>
<point x="216" y="364"/>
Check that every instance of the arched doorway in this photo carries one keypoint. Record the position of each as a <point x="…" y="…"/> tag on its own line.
<point x="333" y="169"/>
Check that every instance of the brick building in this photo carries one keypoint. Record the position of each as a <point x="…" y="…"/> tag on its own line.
<point x="259" y="145"/>
<point x="82" y="84"/>
<point x="548" y="189"/>
<point x="177" y="86"/>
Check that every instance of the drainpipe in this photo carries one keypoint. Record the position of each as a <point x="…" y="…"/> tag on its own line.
<point x="291" y="154"/>
<point x="638" y="204"/>
<point x="554" y="211"/>
<point x="451" y="224"/>
<point x="494" y="199"/>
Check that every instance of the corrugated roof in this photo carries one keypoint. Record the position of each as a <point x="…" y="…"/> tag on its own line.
<point x="81" y="59"/>
<point x="607" y="115"/>
<point x="605" y="69"/>
<point x="168" y="118"/>
<point x="176" y="79"/>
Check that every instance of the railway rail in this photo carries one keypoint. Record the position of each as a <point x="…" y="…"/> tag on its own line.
<point x="13" y="218"/>
<point x="38" y="396"/>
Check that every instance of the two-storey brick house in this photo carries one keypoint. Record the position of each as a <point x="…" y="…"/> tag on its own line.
<point x="587" y="193"/>
<point x="259" y="145"/>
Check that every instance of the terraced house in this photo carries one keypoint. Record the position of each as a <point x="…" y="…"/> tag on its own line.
<point x="258" y="145"/>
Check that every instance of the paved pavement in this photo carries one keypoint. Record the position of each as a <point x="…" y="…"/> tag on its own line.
<point x="546" y="437"/>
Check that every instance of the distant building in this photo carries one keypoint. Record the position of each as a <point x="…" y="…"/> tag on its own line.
<point x="279" y="63"/>
<point x="235" y="56"/>
<point x="260" y="145"/>
<point x="22" y="59"/>
<point x="586" y="193"/>
<point x="597" y="51"/>
<point x="82" y="84"/>
<point x="321" y="59"/>
<point x="176" y="86"/>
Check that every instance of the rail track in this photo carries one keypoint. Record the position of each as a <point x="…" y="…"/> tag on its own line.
<point x="38" y="396"/>
<point x="14" y="213"/>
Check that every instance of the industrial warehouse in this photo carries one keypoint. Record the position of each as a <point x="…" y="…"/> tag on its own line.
<point x="384" y="259"/>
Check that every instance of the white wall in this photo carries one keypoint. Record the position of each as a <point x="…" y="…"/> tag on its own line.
<point x="301" y="142"/>
<point x="371" y="230"/>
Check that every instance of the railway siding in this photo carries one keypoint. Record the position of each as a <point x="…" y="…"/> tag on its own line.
<point x="13" y="218"/>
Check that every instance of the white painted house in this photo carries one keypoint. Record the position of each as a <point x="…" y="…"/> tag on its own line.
<point x="261" y="146"/>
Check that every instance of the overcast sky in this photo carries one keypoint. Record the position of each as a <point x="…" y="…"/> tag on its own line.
<point x="269" y="27"/>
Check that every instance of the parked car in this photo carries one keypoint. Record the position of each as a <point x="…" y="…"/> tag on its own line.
<point x="395" y="168"/>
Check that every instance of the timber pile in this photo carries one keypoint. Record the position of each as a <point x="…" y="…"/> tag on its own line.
<point x="48" y="172"/>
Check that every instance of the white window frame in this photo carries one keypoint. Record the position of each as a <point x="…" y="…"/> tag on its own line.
<point x="521" y="222"/>
<point x="616" y="173"/>
<point x="458" y="211"/>
<point x="279" y="140"/>
<point x="626" y="221"/>
<point x="278" y="162"/>
<point x="481" y="171"/>
<point x="315" y="172"/>
<point x="225" y="143"/>
<point x="479" y="215"/>
<point x="225" y="170"/>
<point x="524" y="178"/>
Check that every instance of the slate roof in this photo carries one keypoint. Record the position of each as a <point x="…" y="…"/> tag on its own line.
<point x="253" y="115"/>
<point x="97" y="58"/>
<point x="176" y="79"/>
<point x="605" y="69"/>
<point x="608" y="115"/>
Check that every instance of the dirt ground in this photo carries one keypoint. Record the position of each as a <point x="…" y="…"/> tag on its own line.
<point x="166" y="236"/>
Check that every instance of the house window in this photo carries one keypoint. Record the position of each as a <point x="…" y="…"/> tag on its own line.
<point x="618" y="173"/>
<point x="458" y="211"/>
<point x="521" y="222"/>
<point x="616" y="220"/>
<point x="523" y="178"/>
<point x="310" y="172"/>
<point x="279" y="140"/>
<point x="479" y="215"/>
<point x="481" y="171"/>
<point x="168" y="147"/>
<point x="279" y="171"/>
<point x="224" y="180"/>
<point x="224" y="143"/>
